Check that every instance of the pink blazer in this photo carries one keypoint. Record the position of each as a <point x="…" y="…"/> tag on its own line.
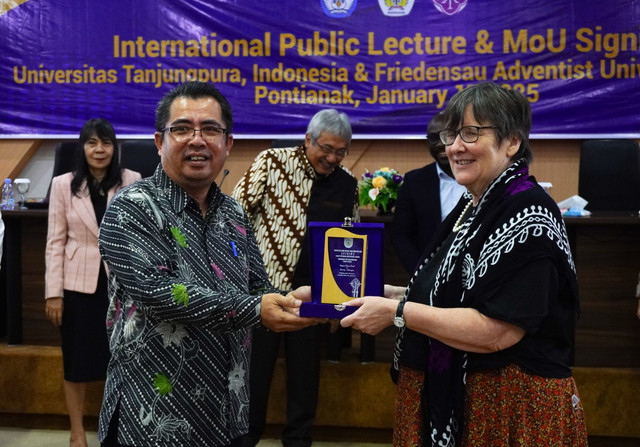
<point x="72" y="257"/>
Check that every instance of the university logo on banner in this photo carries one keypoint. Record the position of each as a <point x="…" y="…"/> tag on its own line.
<point x="450" y="7"/>
<point x="396" y="8"/>
<point x="338" y="8"/>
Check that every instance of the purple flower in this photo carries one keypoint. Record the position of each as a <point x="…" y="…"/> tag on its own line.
<point x="397" y="178"/>
<point x="367" y="175"/>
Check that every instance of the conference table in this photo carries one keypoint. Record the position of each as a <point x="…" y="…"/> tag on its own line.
<point x="606" y="247"/>
<point x="22" y="274"/>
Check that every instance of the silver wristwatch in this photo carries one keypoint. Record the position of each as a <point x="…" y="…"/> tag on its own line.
<point x="398" y="320"/>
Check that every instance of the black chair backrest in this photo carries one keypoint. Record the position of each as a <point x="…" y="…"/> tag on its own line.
<point x="64" y="160"/>
<point x="609" y="177"/>
<point x="140" y="156"/>
<point x="286" y="143"/>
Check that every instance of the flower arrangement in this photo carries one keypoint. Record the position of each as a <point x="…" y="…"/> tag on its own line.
<point x="380" y="189"/>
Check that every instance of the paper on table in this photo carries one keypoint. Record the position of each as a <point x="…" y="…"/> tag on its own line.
<point x="574" y="206"/>
<point x="546" y="185"/>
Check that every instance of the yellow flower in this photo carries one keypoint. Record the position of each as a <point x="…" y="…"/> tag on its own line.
<point x="379" y="182"/>
<point x="385" y="169"/>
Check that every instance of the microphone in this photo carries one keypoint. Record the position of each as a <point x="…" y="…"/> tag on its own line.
<point x="224" y="176"/>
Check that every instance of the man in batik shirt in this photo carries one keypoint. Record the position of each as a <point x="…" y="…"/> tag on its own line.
<point x="186" y="283"/>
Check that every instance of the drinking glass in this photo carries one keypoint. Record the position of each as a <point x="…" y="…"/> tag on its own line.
<point x="22" y="186"/>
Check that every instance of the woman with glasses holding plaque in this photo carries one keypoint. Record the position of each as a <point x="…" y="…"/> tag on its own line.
<point x="483" y="351"/>
<point x="75" y="278"/>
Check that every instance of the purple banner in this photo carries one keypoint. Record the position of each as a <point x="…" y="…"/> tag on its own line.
<point x="389" y="64"/>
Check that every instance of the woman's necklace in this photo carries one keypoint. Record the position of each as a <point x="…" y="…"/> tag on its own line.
<point x="460" y="220"/>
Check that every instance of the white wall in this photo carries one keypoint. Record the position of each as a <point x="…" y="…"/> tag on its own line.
<point x="39" y="170"/>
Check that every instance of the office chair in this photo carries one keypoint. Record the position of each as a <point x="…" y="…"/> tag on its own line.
<point x="140" y="156"/>
<point x="65" y="158"/>
<point x="609" y="176"/>
<point x="64" y="161"/>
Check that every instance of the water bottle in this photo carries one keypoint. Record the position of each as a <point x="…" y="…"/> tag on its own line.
<point x="8" y="201"/>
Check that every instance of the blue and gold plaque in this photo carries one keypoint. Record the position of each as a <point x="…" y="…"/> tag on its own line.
<point x="345" y="262"/>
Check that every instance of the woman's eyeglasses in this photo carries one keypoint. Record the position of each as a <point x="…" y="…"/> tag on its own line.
<point x="469" y="134"/>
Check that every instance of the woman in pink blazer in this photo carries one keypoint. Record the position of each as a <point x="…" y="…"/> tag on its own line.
<point x="75" y="278"/>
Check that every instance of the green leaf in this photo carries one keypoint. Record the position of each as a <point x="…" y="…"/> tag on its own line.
<point x="162" y="384"/>
<point x="180" y="294"/>
<point x="179" y="237"/>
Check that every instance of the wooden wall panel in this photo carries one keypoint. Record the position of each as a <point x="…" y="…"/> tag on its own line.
<point x="14" y="156"/>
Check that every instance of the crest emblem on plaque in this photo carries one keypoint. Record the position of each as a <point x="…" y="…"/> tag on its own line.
<point x="450" y="7"/>
<point x="396" y="8"/>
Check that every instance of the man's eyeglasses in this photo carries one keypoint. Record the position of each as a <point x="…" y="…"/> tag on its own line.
<point x="184" y="133"/>
<point x="433" y="138"/>
<point x="469" y="134"/>
<point x="328" y="150"/>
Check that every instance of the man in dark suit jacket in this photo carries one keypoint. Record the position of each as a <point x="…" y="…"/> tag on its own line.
<point x="425" y="198"/>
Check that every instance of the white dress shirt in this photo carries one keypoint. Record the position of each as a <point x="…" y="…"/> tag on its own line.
<point x="450" y="192"/>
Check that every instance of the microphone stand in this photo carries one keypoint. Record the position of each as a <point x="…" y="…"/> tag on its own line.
<point x="224" y="176"/>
